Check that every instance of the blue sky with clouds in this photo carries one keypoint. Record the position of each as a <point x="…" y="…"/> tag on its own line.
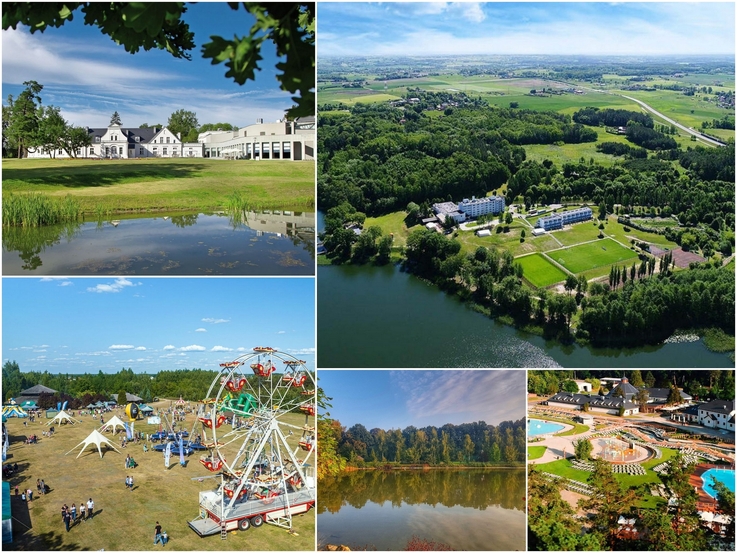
<point x="397" y="399"/>
<point x="86" y="74"/>
<point x="457" y="28"/>
<point x="153" y="324"/>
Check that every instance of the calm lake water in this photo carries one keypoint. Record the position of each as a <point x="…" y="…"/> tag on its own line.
<point x="268" y="243"/>
<point x="472" y="510"/>
<point x="374" y="317"/>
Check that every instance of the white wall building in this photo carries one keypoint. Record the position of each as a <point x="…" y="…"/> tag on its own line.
<point x="717" y="413"/>
<point x="117" y="142"/>
<point x="293" y="140"/>
<point x="476" y="207"/>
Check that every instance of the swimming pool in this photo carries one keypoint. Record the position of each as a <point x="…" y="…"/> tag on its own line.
<point x="538" y="428"/>
<point x="725" y="476"/>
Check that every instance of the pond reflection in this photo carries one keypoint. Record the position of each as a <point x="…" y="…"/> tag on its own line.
<point x="273" y="242"/>
<point x="465" y="509"/>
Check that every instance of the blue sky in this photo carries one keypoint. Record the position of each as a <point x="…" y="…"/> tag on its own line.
<point x="397" y="399"/>
<point x="456" y="28"/>
<point x="86" y="74"/>
<point x="153" y="324"/>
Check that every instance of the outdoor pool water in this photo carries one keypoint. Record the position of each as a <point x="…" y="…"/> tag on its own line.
<point x="538" y="428"/>
<point x="725" y="476"/>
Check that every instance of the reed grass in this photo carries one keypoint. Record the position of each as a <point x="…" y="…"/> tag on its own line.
<point x="37" y="210"/>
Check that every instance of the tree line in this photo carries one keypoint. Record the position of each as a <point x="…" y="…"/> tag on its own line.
<point x="461" y="444"/>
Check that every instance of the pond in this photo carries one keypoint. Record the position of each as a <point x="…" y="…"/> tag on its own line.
<point x="268" y="242"/>
<point x="472" y="510"/>
<point x="372" y="317"/>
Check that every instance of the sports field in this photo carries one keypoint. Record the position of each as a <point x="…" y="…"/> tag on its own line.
<point x="539" y="271"/>
<point x="591" y="255"/>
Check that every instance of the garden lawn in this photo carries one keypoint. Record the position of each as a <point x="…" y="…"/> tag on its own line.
<point x="539" y="271"/>
<point x="391" y="223"/>
<point x="599" y="253"/>
<point x="164" y="184"/>
<point x="535" y="451"/>
<point x="124" y="520"/>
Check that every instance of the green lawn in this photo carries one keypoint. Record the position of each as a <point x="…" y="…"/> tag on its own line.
<point x="392" y="223"/>
<point x="585" y="231"/>
<point x="584" y="257"/>
<point x="125" y="520"/>
<point x="539" y="271"/>
<point x="535" y="451"/>
<point x="164" y="184"/>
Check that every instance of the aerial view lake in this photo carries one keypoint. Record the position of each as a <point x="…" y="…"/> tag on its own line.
<point x="274" y="242"/>
<point x="373" y="317"/>
<point x="471" y="510"/>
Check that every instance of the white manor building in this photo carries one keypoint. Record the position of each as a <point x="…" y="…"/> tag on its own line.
<point x="470" y="209"/>
<point x="293" y="140"/>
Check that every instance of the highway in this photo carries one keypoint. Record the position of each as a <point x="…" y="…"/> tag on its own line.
<point x="672" y="122"/>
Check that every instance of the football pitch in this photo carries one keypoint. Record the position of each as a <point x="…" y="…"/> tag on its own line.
<point x="539" y="271"/>
<point x="584" y="257"/>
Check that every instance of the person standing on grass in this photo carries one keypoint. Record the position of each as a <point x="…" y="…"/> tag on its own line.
<point x="74" y="513"/>
<point x="81" y="511"/>
<point x="43" y="487"/>
<point x="90" y="508"/>
<point x="67" y="519"/>
<point x="130" y="483"/>
<point x="157" y="534"/>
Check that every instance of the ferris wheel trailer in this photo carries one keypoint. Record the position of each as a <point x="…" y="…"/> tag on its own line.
<point x="249" y="513"/>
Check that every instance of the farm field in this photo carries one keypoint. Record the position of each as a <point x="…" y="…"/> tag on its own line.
<point x="163" y="184"/>
<point x="124" y="519"/>
<point x="592" y="255"/>
<point x="540" y="271"/>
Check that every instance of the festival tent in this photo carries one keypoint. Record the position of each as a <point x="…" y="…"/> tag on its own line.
<point x="112" y="424"/>
<point x="62" y="417"/>
<point x="30" y="404"/>
<point x="95" y="438"/>
<point x="13" y="411"/>
<point x="145" y="409"/>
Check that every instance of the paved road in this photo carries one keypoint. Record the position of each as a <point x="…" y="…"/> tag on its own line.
<point x="672" y="122"/>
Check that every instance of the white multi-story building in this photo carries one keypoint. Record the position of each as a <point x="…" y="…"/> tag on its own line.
<point x="293" y="140"/>
<point x="476" y="207"/>
<point x="717" y="413"/>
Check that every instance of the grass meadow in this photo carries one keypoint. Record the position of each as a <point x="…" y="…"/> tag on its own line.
<point x="584" y="257"/>
<point x="124" y="519"/>
<point x="115" y="186"/>
<point x="539" y="271"/>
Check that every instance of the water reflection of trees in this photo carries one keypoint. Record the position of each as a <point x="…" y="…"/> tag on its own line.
<point x="30" y="242"/>
<point x="186" y="220"/>
<point x="477" y="489"/>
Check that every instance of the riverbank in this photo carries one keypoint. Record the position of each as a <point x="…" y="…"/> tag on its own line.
<point x="104" y="187"/>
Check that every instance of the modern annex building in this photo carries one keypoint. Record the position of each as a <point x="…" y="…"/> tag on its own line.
<point x="556" y="221"/>
<point x="293" y="140"/>
<point x="470" y="209"/>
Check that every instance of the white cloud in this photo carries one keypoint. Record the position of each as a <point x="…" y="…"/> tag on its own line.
<point x="140" y="348"/>
<point x="221" y="348"/>
<point x="301" y="351"/>
<point x="117" y="286"/>
<point x="121" y="346"/>
<point x="66" y="283"/>
<point x="169" y="347"/>
<point x="215" y="321"/>
<point x="193" y="347"/>
<point x="201" y="330"/>
<point x="282" y="332"/>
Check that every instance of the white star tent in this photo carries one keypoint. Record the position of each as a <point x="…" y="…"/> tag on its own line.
<point x="61" y="417"/>
<point x="112" y="424"/>
<point x="95" y="438"/>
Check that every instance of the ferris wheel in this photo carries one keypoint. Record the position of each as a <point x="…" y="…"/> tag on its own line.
<point x="258" y="425"/>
